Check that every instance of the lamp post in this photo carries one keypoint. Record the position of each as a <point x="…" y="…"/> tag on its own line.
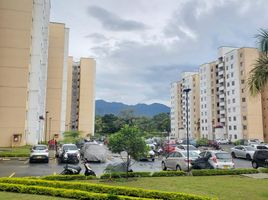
<point x="46" y="126"/>
<point x="187" y="90"/>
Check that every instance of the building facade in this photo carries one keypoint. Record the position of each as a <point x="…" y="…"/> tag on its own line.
<point x="82" y="88"/>
<point x="23" y="62"/>
<point x="57" y="74"/>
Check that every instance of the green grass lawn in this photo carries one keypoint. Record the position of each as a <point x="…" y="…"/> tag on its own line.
<point x="23" y="151"/>
<point x="223" y="187"/>
<point x="9" y="196"/>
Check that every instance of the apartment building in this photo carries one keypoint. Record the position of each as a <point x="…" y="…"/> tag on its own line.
<point x="57" y="74"/>
<point x="227" y="108"/>
<point x="23" y="62"/>
<point x="179" y="110"/>
<point x="81" y="84"/>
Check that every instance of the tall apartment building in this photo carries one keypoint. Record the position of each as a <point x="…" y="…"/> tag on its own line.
<point x="23" y="62"/>
<point x="57" y="73"/>
<point x="81" y="84"/>
<point x="178" y="107"/>
<point x="227" y="109"/>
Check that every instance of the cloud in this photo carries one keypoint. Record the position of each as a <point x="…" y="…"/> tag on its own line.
<point x="113" y="22"/>
<point x="97" y="37"/>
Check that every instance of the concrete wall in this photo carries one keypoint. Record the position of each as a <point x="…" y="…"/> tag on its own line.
<point x="15" y="47"/>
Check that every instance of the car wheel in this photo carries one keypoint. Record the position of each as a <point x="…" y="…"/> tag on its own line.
<point x="233" y="155"/>
<point x="47" y="160"/>
<point x="254" y="165"/>
<point x="164" y="166"/>
<point x="30" y="161"/>
<point x="178" y="168"/>
<point x="248" y="157"/>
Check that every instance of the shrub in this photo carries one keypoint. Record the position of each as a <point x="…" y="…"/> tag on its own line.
<point x="237" y="142"/>
<point x="263" y="170"/>
<point x="67" y="177"/>
<point x="98" y="188"/>
<point x="8" y="154"/>
<point x="202" y="142"/>
<point x="124" y="175"/>
<point x="66" y="193"/>
<point x="168" y="173"/>
<point x="211" y="172"/>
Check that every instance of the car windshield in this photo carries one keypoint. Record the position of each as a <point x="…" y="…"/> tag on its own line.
<point x="223" y="156"/>
<point x="250" y="148"/>
<point x="69" y="147"/>
<point x="191" y="147"/>
<point x="191" y="154"/>
<point x="39" y="147"/>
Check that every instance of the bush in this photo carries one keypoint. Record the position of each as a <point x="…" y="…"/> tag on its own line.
<point x="237" y="142"/>
<point x="211" y="172"/>
<point x="66" y="193"/>
<point x="202" y="142"/>
<point x="67" y="177"/>
<point x="124" y="175"/>
<point x="8" y="154"/>
<point x="98" y="188"/>
<point x="168" y="173"/>
<point x="263" y="170"/>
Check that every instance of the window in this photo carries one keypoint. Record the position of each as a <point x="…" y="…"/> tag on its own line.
<point x="244" y="127"/>
<point x="228" y="84"/>
<point x="244" y="117"/>
<point x="243" y="99"/>
<point x="233" y="91"/>
<point x="234" y="118"/>
<point x="233" y="100"/>
<point x="232" y="74"/>
<point x="242" y="81"/>
<point x="232" y="57"/>
<point x="230" y="127"/>
<point x="241" y="64"/>
<point x="234" y="127"/>
<point x="233" y="109"/>
<point x="241" y="54"/>
<point x="226" y="67"/>
<point x="230" y="119"/>
<point x="233" y="83"/>
<point x="235" y="136"/>
<point x="228" y="92"/>
<point x="242" y="90"/>
<point x="232" y="66"/>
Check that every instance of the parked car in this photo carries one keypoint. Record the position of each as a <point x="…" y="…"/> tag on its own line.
<point x="241" y="151"/>
<point x="191" y="142"/>
<point x="247" y="142"/>
<point x="214" y="144"/>
<point x="260" y="158"/>
<point x="94" y="152"/>
<point x="223" y="141"/>
<point x="68" y="153"/>
<point x="39" y="153"/>
<point x="259" y="146"/>
<point x="169" y="148"/>
<point x="213" y="159"/>
<point x="191" y="148"/>
<point x="177" y="160"/>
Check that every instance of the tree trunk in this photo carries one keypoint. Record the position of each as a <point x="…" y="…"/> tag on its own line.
<point x="128" y="159"/>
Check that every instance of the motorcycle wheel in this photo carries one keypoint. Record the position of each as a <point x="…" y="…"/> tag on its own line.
<point x="65" y="172"/>
<point x="90" y="173"/>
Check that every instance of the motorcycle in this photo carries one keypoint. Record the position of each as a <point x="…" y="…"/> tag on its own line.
<point x="75" y="169"/>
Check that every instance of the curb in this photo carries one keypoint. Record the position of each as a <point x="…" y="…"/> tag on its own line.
<point x="18" y="158"/>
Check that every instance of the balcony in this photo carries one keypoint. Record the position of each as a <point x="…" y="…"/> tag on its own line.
<point x="221" y="88"/>
<point x="222" y="120"/>
<point x="222" y="112"/>
<point x="221" y="73"/>
<point x="222" y="96"/>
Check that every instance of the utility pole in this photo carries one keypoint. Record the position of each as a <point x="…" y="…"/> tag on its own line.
<point x="187" y="128"/>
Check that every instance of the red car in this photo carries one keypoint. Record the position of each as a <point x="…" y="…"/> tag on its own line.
<point x="169" y="148"/>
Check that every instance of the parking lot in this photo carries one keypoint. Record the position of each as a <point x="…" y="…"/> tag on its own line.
<point x="18" y="168"/>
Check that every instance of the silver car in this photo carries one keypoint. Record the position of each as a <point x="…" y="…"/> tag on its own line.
<point x="39" y="153"/>
<point x="183" y="147"/>
<point x="177" y="160"/>
<point x="241" y="151"/>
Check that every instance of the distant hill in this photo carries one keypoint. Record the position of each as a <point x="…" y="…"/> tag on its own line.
<point x="103" y="107"/>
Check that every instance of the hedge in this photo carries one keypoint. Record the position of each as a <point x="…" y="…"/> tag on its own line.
<point x="211" y="172"/>
<point x="67" y="177"/>
<point x="168" y="173"/>
<point x="98" y="188"/>
<point x="124" y="175"/>
<point x="65" y="193"/>
<point x="263" y="170"/>
<point x="5" y="155"/>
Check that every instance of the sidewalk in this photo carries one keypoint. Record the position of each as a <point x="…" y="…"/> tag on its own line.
<point x="257" y="176"/>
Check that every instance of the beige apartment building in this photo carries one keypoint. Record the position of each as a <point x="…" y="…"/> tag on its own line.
<point x="23" y="61"/>
<point x="81" y="84"/>
<point x="178" y="107"/>
<point x="56" y="96"/>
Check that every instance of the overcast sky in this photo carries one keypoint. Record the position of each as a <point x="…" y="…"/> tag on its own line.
<point x="142" y="46"/>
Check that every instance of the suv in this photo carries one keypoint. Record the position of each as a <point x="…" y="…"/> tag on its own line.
<point x="39" y="153"/>
<point x="260" y="158"/>
<point x="68" y="153"/>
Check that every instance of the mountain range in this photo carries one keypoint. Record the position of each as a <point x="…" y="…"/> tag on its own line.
<point x="104" y="107"/>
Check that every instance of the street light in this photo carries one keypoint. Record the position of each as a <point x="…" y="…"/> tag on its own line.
<point x="187" y="90"/>
<point x="46" y="126"/>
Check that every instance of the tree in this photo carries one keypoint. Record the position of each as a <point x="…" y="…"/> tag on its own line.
<point x="258" y="77"/>
<point x="71" y="136"/>
<point x="128" y="140"/>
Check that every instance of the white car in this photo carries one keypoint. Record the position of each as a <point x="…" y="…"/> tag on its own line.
<point x="241" y="151"/>
<point x="214" y="159"/>
<point x="222" y="141"/>
<point x="69" y="153"/>
<point x="177" y="160"/>
<point x="183" y="147"/>
<point x="39" y="153"/>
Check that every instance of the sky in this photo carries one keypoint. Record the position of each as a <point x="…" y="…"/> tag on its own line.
<point x="142" y="46"/>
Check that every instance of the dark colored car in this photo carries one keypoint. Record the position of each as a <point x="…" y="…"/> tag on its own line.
<point x="260" y="158"/>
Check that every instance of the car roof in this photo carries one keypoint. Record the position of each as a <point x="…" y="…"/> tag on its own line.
<point x="217" y="151"/>
<point x="40" y="145"/>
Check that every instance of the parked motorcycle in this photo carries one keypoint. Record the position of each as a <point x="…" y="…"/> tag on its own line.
<point x="75" y="169"/>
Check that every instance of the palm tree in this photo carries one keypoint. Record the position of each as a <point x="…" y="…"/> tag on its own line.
<point x="258" y="77"/>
